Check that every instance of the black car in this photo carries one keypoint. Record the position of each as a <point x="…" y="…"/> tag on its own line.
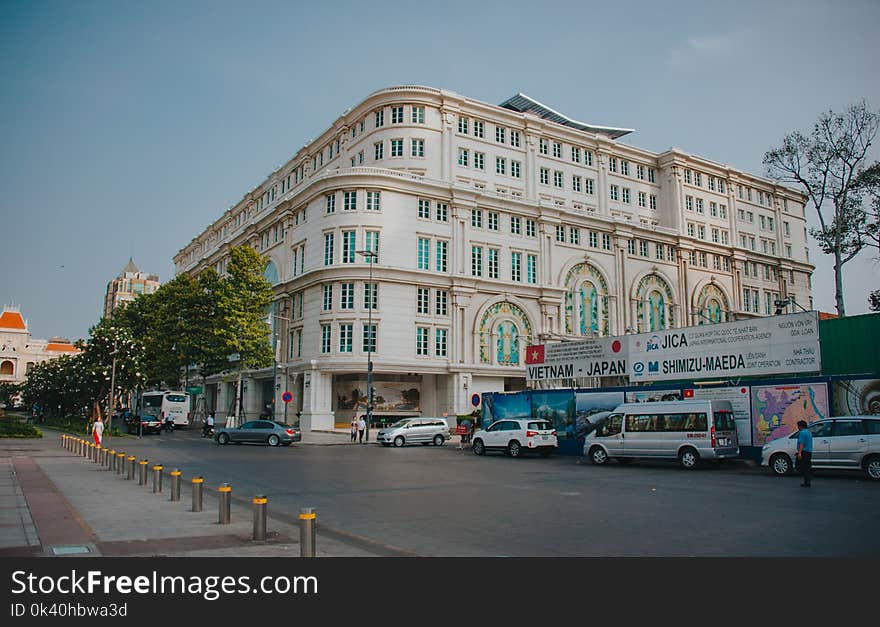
<point x="144" y="424"/>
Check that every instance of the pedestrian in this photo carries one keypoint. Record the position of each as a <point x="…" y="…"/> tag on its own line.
<point x="805" y="453"/>
<point x="208" y="428"/>
<point x="98" y="431"/>
<point x="354" y="427"/>
<point x="361" y="425"/>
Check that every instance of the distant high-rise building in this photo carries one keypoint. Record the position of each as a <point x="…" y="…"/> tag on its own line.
<point x="130" y="284"/>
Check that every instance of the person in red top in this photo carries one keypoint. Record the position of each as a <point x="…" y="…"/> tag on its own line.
<point x="98" y="431"/>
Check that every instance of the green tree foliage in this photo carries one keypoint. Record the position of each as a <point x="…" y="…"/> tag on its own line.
<point x="826" y="164"/>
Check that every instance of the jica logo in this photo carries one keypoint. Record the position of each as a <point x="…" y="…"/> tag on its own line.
<point x="673" y="340"/>
<point x="652" y="344"/>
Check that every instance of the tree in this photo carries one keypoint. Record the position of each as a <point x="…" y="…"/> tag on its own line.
<point x="243" y="298"/>
<point x="867" y="185"/>
<point x="825" y="165"/>
<point x="874" y="300"/>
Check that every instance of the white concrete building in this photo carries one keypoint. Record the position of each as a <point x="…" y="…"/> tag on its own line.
<point x="495" y="227"/>
<point x="19" y="352"/>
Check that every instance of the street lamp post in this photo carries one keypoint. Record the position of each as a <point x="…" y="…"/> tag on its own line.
<point x="371" y="256"/>
<point x="275" y="349"/>
<point x="112" y="387"/>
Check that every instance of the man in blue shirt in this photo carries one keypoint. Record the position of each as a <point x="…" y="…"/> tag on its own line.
<point x="805" y="452"/>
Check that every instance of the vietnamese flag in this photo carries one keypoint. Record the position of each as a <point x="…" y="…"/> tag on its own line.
<point x="535" y="354"/>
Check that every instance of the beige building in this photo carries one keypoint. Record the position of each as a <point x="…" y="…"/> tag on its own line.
<point x="495" y="227"/>
<point x="19" y="352"/>
<point x="130" y="284"/>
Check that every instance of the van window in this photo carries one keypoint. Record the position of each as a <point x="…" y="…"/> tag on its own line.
<point x="152" y="401"/>
<point x="610" y="426"/>
<point x="872" y="427"/>
<point x="848" y="427"/>
<point x="666" y="422"/>
<point x="724" y="421"/>
<point x="819" y="430"/>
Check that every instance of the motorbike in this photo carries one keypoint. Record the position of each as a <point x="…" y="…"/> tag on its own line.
<point x="208" y="431"/>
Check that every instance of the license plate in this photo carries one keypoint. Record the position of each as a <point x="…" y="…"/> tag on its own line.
<point x="545" y="437"/>
<point x="723" y="442"/>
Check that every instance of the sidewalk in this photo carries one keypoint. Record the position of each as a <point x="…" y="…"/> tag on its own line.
<point x="56" y="503"/>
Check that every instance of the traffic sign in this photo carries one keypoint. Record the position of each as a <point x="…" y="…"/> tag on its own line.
<point x="287" y="397"/>
<point x="475" y="400"/>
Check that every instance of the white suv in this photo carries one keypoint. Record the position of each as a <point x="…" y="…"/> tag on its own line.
<point x="516" y="436"/>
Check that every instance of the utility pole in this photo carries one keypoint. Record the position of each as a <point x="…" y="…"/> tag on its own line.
<point x="112" y="387"/>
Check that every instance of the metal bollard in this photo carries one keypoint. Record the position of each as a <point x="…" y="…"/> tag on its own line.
<point x="120" y="463"/>
<point x="104" y="455"/>
<point x="225" y="493"/>
<point x="132" y="460"/>
<point x="260" y="506"/>
<point x="197" y="484"/>
<point x="94" y="452"/>
<point x="79" y="447"/>
<point x="175" y="485"/>
<point x="307" y="532"/>
<point x="111" y="463"/>
<point x="142" y="473"/>
<point x="157" y="478"/>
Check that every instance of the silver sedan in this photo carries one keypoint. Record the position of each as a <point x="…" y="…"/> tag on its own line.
<point x="259" y="432"/>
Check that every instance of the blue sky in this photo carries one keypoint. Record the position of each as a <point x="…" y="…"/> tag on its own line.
<point x="127" y="127"/>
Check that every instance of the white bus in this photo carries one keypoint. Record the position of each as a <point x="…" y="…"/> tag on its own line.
<point x="167" y="403"/>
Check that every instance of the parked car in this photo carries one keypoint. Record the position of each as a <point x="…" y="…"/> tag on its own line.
<point x="516" y="436"/>
<point x="839" y="443"/>
<point x="415" y="431"/>
<point x="147" y="423"/>
<point x="259" y="432"/>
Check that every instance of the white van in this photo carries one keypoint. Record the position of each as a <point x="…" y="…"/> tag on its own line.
<point x="689" y="431"/>
<point x="167" y="403"/>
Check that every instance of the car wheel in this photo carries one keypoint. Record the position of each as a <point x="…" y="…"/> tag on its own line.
<point x="514" y="449"/>
<point x="399" y="441"/>
<point x="780" y="464"/>
<point x="438" y="440"/>
<point x="598" y="455"/>
<point x="478" y="447"/>
<point x="688" y="458"/>
<point x="872" y="468"/>
<point x="273" y="440"/>
<point x="223" y="438"/>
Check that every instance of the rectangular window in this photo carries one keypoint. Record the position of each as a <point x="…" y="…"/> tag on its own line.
<point x="575" y="154"/>
<point x="624" y="167"/>
<point x="713" y="209"/>
<point x="396" y="147"/>
<point x="698" y="179"/>
<point x="423" y="300"/>
<point x="480" y="160"/>
<point x="478" y="129"/>
<point x="687" y="177"/>
<point x="378" y="150"/>
<point x="360" y="157"/>
<point x="325" y="338"/>
<point x="397" y="115"/>
<point x="424" y="208"/>
<point x="516" y="266"/>
<point x="557" y="179"/>
<point x="531" y="228"/>
<point x="544" y="146"/>
<point x="492" y="263"/>
<point x="515" y="169"/>
<point x="643" y="248"/>
<point x="643" y="201"/>
<point x="640" y="172"/>
<point x="499" y="134"/>
<point x="701" y="231"/>
<point x="349" y="201"/>
<point x="615" y="192"/>
<point x="421" y="340"/>
<point x="588" y="158"/>
<point x="476" y="261"/>
<point x="612" y="164"/>
<point x="442" y="212"/>
<point x="574" y="235"/>
<point x="418" y="148"/>
<point x="626" y="195"/>
<point x="346" y="332"/>
<point x="651" y="175"/>
<point x="594" y="239"/>
<point x="710" y="180"/>
<point x="560" y="233"/>
<point x="514" y="139"/>
<point x="557" y="150"/>
<point x="689" y="203"/>
<point x="606" y="241"/>
<point x="331" y="203"/>
<point x="631" y="246"/>
<point x="515" y="225"/>
<point x="492" y="219"/>
<point x="531" y="269"/>
<point x="725" y="238"/>
<point x="477" y="218"/>
<point x="418" y="115"/>
<point x="575" y="183"/>
<point x="463" y="125"/>
<point x="716" y="235"/>
<point x="440" y="342"/>
<point x="380" y="118"/>
<point x="346" y="298"/>
<point x="369" y="344"/>
<point x="589" y="187"/>
<point x="463" y="157"/>
<point x="442" y="255"/>
<point x="424" y="253"/>
<point x="327" y="303"/>
<point x="441" y="303"/>
<point x="328" y="249"/>
<point x="658" y="252"/>
<point x="371" y="295"/>
<point x="690" y="229"/>
<point x="721" y="185"/>
<point x="348" y="246"/>
<point x="700" y="205"/>
<point x="722" y="212"/>
<point x="545" y="176"/>
<point x="371" y="243"/>
<point x="373" y="201"/>
<point x="500" y="165"/>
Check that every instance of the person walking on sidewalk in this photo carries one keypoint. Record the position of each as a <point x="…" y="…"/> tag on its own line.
<point x="361" y="425"/>
<point x="805" y="453"/>
<point x="354" y="427"/>
<point x="98" y="431"/>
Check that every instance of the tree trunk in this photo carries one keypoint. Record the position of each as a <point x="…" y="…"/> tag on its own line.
<point x="838" y="284"/>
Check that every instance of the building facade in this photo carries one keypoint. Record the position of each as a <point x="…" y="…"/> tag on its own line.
<point x="494" y="227"/>
<point x="130" y="284"/>
<point x="19" y="352"/>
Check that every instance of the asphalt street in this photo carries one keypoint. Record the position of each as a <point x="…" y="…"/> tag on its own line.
<point x="441" y="501"/>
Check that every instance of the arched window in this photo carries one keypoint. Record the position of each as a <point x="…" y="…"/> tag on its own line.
<point x="7" y="367"/>
<point x="504" y="333"/>
<point x="712" y="305"/>
<point x="586" y="302"/>
<point x="271" y="273"/>
<point x="653" y="304"/>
